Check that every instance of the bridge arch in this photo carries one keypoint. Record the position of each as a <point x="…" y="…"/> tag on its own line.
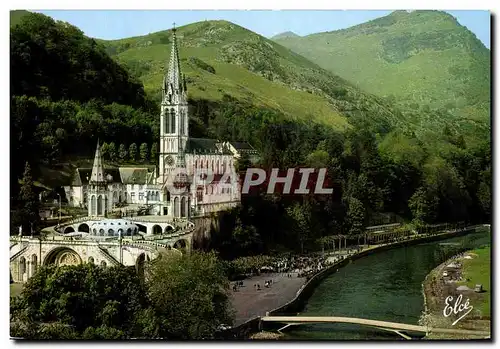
<point x="181" y="244"/>
<point x="62" y="256"/>
<point x="68" y="230"/>
<point x="169" y="229"/>
<point x="84" y="227"/>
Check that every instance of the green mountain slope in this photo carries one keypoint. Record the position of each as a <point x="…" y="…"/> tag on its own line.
<point x="219" y="58"/>
<point x="422" y="57"/>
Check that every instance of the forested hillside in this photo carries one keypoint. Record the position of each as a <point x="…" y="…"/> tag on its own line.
<point x="66" y="92"/>
<point x="243" y="87"/>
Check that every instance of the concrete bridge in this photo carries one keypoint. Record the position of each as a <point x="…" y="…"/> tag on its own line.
<point x="395" y="327"/>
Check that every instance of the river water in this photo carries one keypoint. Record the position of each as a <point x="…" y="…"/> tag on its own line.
<point x="383" y="286"/>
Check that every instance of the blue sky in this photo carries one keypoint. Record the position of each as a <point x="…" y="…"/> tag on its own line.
<point x="117" y="24"/>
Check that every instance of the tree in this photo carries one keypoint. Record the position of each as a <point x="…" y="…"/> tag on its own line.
<point x="112" y="151"/>
<point x="356" y="216"/>
<point x="27" y="214"/>
<point x="82" y="301"/>
<point x="122" y="152"/>
<point x="154" y="153"/>
<point x="105" y="151"/>
<point x="132" y="151"/>
<point x="143" y="152"/>
<point x="243" y="163"/>
<point x="300" y="222"/>
<point x="189" y="294"/>
<point x="423" y="205"/>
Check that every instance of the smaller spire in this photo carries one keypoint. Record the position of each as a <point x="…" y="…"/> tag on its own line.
<point x="97" y="175"/>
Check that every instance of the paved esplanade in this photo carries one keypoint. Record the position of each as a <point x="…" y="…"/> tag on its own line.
<point x="250" y="303"/>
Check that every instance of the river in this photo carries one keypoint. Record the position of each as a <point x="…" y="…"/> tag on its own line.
<point x="383" y="286"/>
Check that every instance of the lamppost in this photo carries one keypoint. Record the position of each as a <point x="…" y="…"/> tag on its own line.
<point x="59" y="207"/>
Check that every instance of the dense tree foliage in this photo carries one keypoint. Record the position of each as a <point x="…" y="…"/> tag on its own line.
<point x="55" y="60"/>
<point x="183" y="297"/>
<point x="377" y="178"/>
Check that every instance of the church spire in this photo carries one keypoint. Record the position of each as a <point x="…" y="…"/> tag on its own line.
<point x="97" y="175"/>
<point x="173" y="84"/>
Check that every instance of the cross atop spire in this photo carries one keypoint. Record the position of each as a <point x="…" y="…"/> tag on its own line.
<point x="97" y="169"/>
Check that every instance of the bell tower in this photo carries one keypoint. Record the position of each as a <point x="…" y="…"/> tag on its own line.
<point x="174" y="116"/>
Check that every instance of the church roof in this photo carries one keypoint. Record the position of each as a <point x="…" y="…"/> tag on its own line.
<point x="243" y="147"/>
<point x="82" y="176"/>
<point x="134" y="175"/>
<point x="206" y="146"/>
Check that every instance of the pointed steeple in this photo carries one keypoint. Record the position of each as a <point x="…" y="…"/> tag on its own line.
<point x="173" y="84"/>
<point x="97" y="175"/>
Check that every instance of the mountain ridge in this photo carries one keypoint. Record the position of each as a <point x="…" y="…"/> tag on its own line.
<point x="423" y="57"/>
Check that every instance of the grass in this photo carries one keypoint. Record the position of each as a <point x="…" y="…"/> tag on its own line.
<point x="478" y="271"/>
<point x="247" y="67"/>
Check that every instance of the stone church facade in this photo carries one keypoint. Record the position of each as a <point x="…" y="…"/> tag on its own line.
<point x="181" y="160"/>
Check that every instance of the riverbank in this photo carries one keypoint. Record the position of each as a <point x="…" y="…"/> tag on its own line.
<point x="458" y="277"/>
<point x="297" y="303"/>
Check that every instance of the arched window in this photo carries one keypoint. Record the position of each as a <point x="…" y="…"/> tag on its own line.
<point x="101" y="232"/>
<point x="91" y="260"/>
<point x="34" y="264"/>
<point x="103" y="264"/>
<point x="172" y="118"/>
<point x="22" y="266"/>
<point x="94" y="231"/>
<point x="111" y="232"/>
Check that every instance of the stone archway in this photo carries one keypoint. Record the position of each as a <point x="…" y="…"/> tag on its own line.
<point x="157" y="229"/>
<point x="84" y="228"/>
<point x="22" y="268"/>
<point x="181" y="245"/>
<point x="142" y="228"/>
<point x="62" y="256"/>
<point x="34" y="264"/>
<point x="68" y="230"/>
<point x="169" y="229"/>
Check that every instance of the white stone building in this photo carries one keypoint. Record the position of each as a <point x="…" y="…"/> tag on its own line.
<point x="101" y="189"/>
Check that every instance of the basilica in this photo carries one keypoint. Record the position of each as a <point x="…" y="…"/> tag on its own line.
<point x="104" y="190"/>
